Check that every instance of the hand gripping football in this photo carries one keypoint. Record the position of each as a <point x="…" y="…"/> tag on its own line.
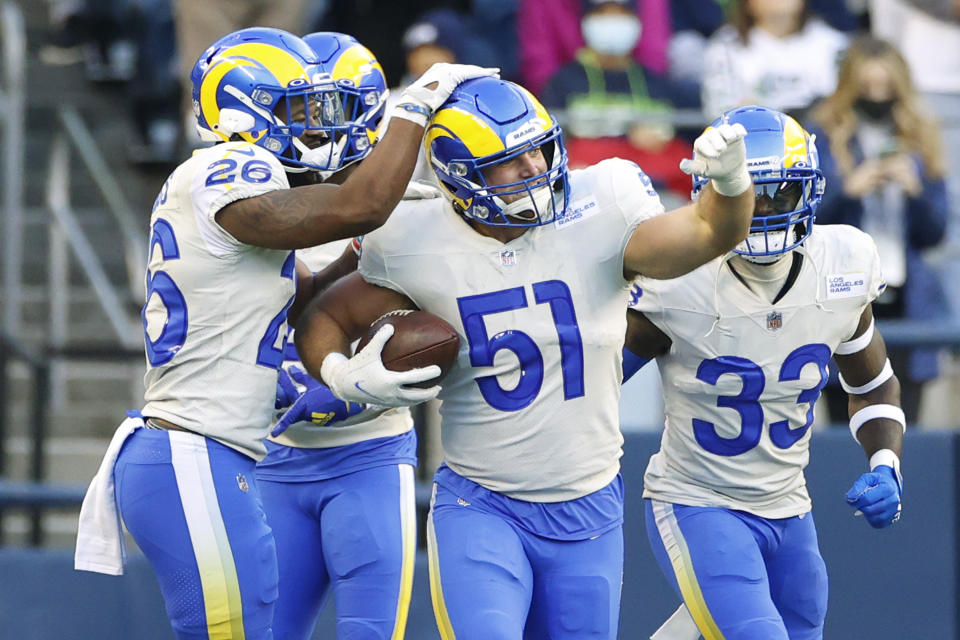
<point x="420" y="339"/>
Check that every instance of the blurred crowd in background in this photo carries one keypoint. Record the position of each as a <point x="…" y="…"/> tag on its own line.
<point x="877" y="81"/>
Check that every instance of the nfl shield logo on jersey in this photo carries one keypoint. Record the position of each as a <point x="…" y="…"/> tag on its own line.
<point x="774" y="320"/>
<point x="508" y="258"/>
<point x="242" y="483"/>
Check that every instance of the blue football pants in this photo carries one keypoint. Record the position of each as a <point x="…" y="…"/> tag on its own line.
<point x="493" y="580"/>
<point x="355" y="533"/>
<point x="742" y="577"/>
<point x="193" y="507"/>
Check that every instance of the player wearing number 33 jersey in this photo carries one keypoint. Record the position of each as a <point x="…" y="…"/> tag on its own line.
<point x="728" y="342"/>
<point x="532" y="264"/>
<point x="220" y="282"/>
<point x="742" y="344"/>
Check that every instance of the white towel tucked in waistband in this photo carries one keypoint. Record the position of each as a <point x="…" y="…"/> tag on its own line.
<point x="100" y="545"/>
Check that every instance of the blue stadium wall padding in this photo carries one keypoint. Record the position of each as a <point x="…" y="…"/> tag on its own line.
<point x="896" y="584"/>
<point x="892" y="584"/>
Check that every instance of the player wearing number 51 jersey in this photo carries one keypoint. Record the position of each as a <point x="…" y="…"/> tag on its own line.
<point x="220" y="282"/>
<point x="742" y="344"/>
<point x="531" y="263"/>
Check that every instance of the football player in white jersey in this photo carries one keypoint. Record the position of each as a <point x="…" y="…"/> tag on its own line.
<point x="340" y="499"/>
<point x="742" y="344"/>
<point x="531" y="263"/>
<point x="220" y="281"/>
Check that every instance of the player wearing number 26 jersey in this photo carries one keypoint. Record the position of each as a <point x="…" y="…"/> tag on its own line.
<point x="742" y="344"/>
<point x="531" y="263"/>
<point x="220" y="282"/>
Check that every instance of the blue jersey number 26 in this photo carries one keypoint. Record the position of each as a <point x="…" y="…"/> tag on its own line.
<point x="484" y="348"/>
<point x="174" y="332"/>
<point x="747" y="402"/>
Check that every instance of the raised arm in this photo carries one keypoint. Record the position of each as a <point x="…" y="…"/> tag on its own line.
<point x="315" y="214"/>
<point x="672" y="244"/>
<point x="876" y="421"/>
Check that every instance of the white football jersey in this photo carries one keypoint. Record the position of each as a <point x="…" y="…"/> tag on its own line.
<point x="530" y="408"/>
<point x="742" y="374"/>
<point x="215" y="316"/>
<point x="359" y="428"/>
<point x="785" y="73"/>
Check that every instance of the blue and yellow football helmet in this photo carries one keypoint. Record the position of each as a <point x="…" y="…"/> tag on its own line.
<point x="265" y="86"/>
<point x="487" y="121"/>
<point x="363" y="93"/>
<point x="783" y="162"/>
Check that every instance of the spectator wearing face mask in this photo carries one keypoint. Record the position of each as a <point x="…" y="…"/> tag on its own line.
<point x="550" y="35"/>
<point x="881" y="157"/>
<point x="611" y="106"/>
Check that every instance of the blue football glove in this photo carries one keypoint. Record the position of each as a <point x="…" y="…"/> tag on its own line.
<point x="317" y="404"/>
<point x="876" y="495"/>
<point x="287" y="391"/>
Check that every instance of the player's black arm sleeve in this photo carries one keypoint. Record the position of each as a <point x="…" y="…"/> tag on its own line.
<point x="341" y="314"/>
<point x="860" y="368"/>
<point x="311" y="215"/>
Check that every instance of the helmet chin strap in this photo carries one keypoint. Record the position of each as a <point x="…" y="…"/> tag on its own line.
<point x="763" y="259"/>
<point x="760" y="242"/>
<point x="540" y="199"/>
<point x="328" y="154"/>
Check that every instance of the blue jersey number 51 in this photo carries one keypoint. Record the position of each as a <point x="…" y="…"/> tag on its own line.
<point x="483" y="348"/>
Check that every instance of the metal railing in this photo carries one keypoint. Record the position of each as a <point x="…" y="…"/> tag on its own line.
<point x="12" y="350"/>
<point x="12" y="96"/>
<point x="68" y="233"/>
<point x="38" y="496"/>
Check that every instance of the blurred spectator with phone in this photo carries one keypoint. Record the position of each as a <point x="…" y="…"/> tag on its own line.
<point x="881" y="157"/>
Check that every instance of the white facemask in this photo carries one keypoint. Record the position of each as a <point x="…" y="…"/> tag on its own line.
<point x="612" y="35"/>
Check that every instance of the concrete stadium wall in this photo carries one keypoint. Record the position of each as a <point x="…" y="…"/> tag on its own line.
<point x="896" y="584"/>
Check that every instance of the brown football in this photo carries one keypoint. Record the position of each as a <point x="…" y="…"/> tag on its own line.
<point x="419" y="340"/>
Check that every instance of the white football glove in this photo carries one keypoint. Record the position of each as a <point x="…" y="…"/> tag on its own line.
<point x="429" y="91"/>
<point x="720" y="154"/>
<point x="363" y="378"/>
<point x="420" y="190"/>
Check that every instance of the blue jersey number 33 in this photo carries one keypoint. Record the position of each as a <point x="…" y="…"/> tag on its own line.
<point x="747" y="402"/>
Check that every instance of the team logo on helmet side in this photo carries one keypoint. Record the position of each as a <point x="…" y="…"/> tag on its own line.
<point x="485" y="122"/>
<point x="363" y="90"/>
<point x="263" y="86"/>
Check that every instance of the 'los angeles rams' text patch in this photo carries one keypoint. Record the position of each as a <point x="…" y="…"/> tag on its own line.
<point x="846" y="285"/>
<point x="577" y="212"/>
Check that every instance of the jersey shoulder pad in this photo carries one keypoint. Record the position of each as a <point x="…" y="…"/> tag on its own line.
<point x="694" y="291"/>
<point x="232" y="171"/>
<point x="842" y="245"/>
<point x="848" y="258"/>
<point x="630" y="188"/>
<point x="239" y="151"/>
<point x="225" y="173"/>
<point x="415" y="226"/>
